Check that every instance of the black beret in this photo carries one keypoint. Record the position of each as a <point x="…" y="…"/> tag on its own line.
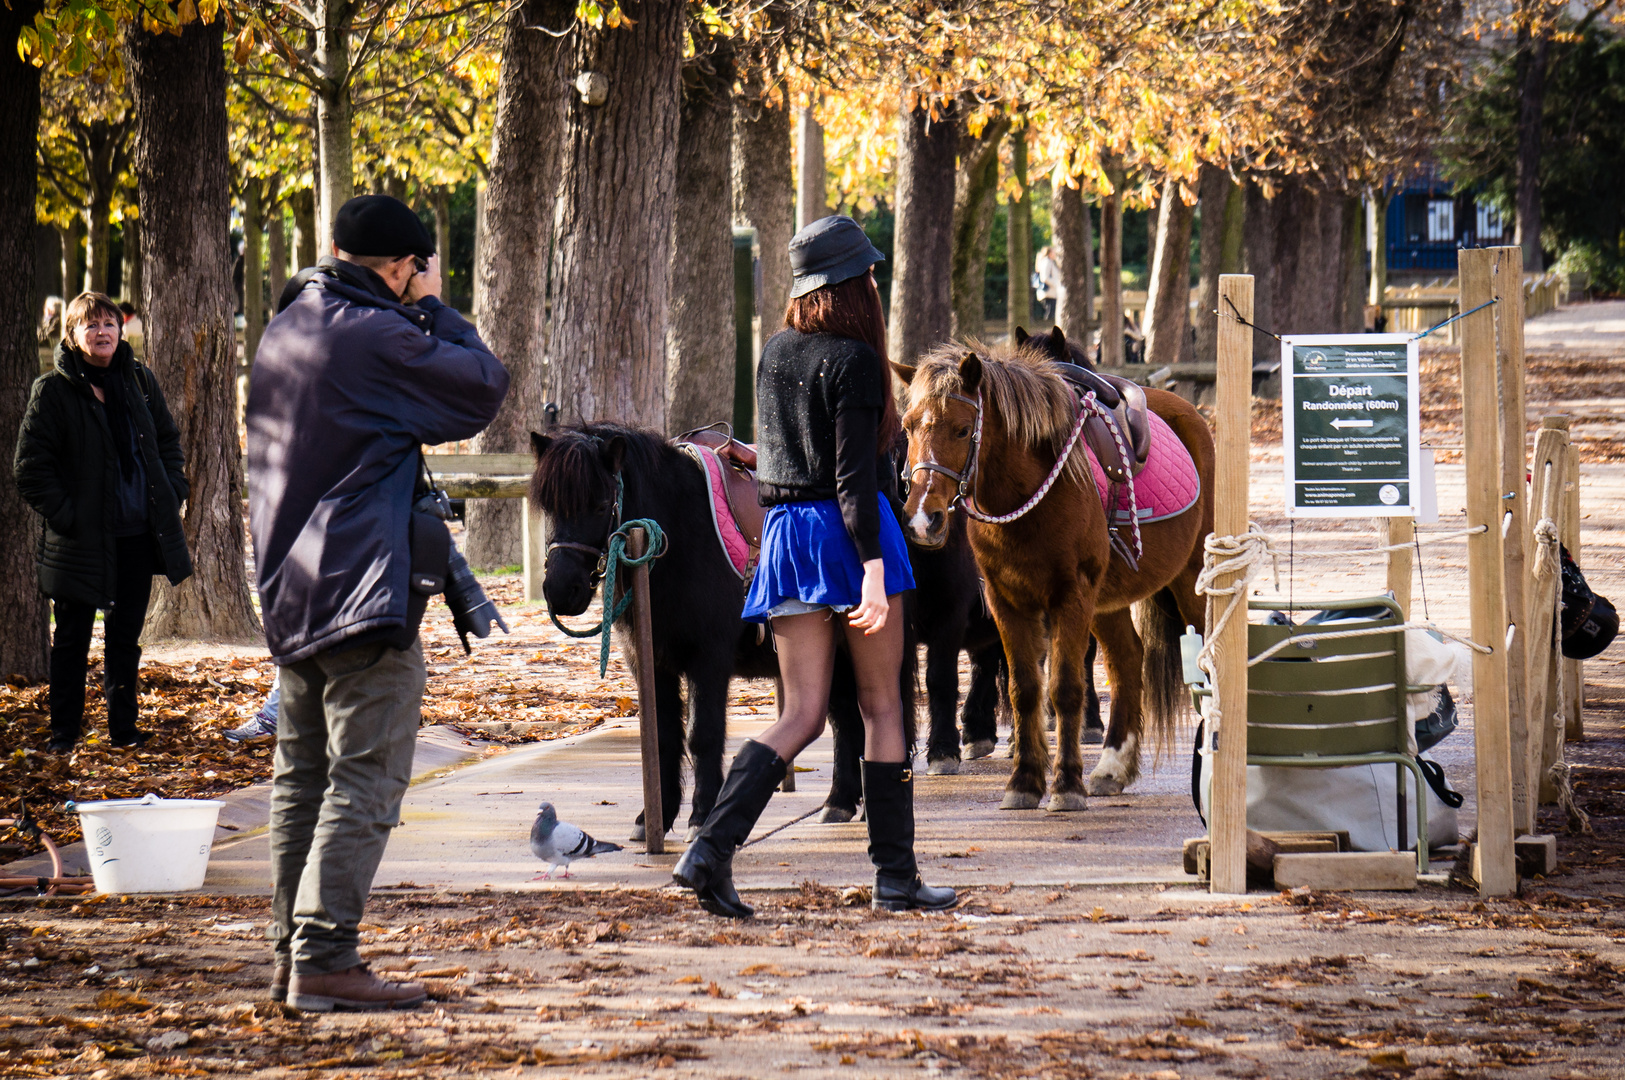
<point x="381" y="225"/>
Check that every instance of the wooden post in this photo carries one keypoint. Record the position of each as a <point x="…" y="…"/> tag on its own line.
<point x="1493" y="862"/>
<point x="1545" y="736"/>
<point x="1400" y="530"/>
<point x="1573" y="681"/>
<point x="1227" y="817"/>
<point x="1506" y="281"/>
<point x="654" y="816"/>
<point x="533" y="540"/>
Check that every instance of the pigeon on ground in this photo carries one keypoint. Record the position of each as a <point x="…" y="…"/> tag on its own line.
<point x="558" y="843"/>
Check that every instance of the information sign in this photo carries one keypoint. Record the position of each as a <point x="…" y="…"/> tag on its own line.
<point x="1349" y="418"/>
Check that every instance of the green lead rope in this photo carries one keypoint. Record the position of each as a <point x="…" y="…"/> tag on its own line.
<point x="614" y="609"/>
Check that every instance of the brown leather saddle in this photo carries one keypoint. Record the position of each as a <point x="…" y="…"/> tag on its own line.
<point x="1126" y="400"/>
<point x="739" y="474"/>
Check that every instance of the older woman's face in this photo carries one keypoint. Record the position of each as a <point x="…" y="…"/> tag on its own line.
<point x="98" y="336"/>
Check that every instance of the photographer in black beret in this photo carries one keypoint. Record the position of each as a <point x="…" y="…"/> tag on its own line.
<point x="361" y="366"/>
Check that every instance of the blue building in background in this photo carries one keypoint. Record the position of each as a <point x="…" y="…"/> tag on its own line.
<point x="1427" y="224"/>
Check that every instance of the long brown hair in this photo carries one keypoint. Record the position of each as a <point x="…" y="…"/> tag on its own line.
<point x="851" y="309"/>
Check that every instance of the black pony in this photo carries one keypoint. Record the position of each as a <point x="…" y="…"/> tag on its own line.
<point x="695" y="595"/>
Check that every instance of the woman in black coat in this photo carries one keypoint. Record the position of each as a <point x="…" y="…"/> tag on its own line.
<point x="99" y="458"/>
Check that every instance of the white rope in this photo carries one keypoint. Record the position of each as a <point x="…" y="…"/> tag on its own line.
<point x="1370" y="631"/>
<point x="1384" y="549"/>
<point x="1243" y="556"/>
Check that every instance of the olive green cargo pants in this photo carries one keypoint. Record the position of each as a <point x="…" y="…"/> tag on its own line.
<point x="346" y="730"/>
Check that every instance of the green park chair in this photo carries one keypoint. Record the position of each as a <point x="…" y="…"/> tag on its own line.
<point x="1328" y="704"/>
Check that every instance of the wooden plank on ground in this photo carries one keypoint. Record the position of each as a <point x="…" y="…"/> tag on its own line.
<point x="1347" y="870"/>
<point x="1227" y="818"/>
<point x="1486" y="580"/>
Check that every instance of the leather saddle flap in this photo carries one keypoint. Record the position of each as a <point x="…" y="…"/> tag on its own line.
<point x="739" y="478"/>
<point x="1127" y="402"/>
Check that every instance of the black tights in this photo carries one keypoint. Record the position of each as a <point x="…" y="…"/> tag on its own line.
<point x="70" y="647"/>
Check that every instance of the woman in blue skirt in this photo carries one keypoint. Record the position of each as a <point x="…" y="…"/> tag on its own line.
<point x="834" y="565"/>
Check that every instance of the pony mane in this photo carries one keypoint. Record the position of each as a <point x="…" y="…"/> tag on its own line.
<point x="1037" y="405"/>
<point x="572" y="471"/>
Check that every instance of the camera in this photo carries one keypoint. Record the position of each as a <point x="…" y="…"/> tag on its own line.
<point x="472" y="612"/>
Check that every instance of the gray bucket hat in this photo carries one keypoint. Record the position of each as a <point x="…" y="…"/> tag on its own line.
<point x="828" y="251"/>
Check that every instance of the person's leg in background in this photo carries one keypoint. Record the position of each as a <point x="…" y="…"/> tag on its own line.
<point x="70" y="646"/>
<point x="298" y="780"/>
<point x="132" y="591"/>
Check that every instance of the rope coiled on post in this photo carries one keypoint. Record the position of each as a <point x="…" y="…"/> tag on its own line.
<point x="614" y="557"/>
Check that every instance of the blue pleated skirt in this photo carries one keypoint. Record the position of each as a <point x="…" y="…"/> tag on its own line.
<point x="807" y="555"/>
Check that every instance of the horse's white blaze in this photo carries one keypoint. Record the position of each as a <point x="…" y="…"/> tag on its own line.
<point x="919" y="523"/>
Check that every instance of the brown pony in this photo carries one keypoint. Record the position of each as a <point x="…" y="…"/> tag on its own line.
<point x="1052" y="572"/>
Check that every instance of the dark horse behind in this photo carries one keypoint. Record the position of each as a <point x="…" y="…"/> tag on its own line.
<point x="695" y="594"/>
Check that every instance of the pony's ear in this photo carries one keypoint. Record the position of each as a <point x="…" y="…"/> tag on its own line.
<point x="904" y="373"/>
<point x="1021" y="336"/>
<point x="539" y="444"/>
<point x="614" y="453"/>
<point x="970" y="372"/>
<point x="1057" y="339"/>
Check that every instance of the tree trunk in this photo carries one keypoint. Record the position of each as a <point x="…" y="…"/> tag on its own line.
<point x="334" y="108"/>
<point x="511" y="261"/>
<point x="1074" y="251"/>
<point x="178" y="85"/>
<point x="276" y="255"/>
<point x="1168" y="295"/>
<point x="1111" y="272"/>
<point x="1221" y="205"/>
<point x="1351" y="285"/>
<point x="810" y="170"/>
<point x="975" y="184"/>
<point x="1307" y="260"/>
<point x="1259" y="261"/>
<point x="73" y="263"/>
<point x="1019" y="239"/>
<point x="98" y="241"/>
<point x="763" y="193"/>
<point x="922" y="277"/>
<point x="606" y="357"/>
<point x="130" y="228"/>
<point x="700" y="341"/>
<point x="1532" y="58"/>
<point x="303" y="205"/>
<point x="253" y="269"/>
<point x="440" y="200"/>
<point x="1379" y="253"/>
<point x="24" y="632"/>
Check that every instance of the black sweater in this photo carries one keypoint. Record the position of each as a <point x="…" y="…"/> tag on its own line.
<point x="819" y="400"/>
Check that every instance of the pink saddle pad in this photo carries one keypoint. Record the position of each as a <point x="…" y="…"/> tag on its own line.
<point x="734" y="544"/>
<point x="1167" y="486"/>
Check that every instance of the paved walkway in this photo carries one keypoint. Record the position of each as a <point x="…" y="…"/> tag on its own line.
<point x="1598" y="326"/>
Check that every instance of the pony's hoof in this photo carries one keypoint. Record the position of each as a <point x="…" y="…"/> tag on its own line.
<point x="1062" y="801"/>
<point x="692" y="835"/>
<point x="637" y="836"/>
<point x="947" y="766"/>
<point x="1019" y="800"/>
<point x="1093" y="736"/>
<point x="981" y="748"/>
<point x="1105" y="785"/>
<point x="835" y="815"/>
<point x="1008" y="750"/>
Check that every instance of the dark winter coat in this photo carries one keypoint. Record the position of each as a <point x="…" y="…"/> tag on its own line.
<point x="67" y="469"/>
<point x="348" y="384"/>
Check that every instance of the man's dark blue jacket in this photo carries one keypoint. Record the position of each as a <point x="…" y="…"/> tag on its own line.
<point x="348" y="383"/>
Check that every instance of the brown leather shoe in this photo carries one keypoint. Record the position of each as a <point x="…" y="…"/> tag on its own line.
<point x="354" y="989"/>
<point x="281" y="972"/>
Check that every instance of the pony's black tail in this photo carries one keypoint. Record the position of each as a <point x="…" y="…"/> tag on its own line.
<point x="1166" y="699"/>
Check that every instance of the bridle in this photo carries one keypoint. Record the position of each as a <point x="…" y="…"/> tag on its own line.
<point x="965" y="477"/>
<point x="601" y="552"/>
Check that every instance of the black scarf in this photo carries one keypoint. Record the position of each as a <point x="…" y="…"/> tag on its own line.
<point x="109" y="379"/>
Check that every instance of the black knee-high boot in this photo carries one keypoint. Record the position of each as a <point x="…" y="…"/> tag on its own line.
<point x="888" y="797"/>
<point x="707" y="865"/>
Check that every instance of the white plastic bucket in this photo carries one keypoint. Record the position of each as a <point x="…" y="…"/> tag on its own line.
<point x="148" y="845"/>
